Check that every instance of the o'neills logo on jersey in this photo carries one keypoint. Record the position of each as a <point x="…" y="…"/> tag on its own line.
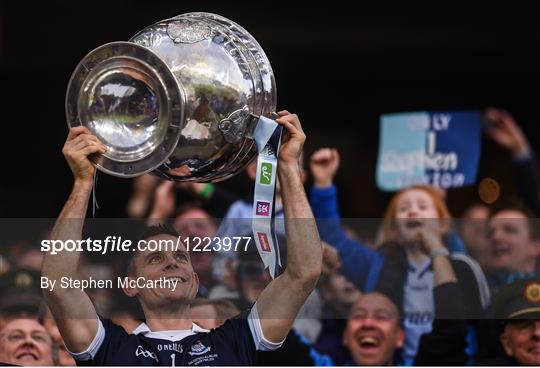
<point x="263" y="240"/>
<point x="173" y="346"/>
<point x="145" y="353"/>
<point x="199" y="349"/>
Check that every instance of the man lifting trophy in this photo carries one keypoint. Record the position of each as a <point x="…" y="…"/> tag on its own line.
<point x="188" y="99"/>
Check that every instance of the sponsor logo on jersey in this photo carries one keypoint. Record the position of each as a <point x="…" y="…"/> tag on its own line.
<point x="145" y="353"/>
<point x="198" y="349"/>
<point x="173" y="346"/>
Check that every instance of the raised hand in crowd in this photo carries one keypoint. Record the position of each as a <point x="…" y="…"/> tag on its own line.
<point x="324" y="164"/>
<point x="331" y="261"/>
<point x="143" y="188"/>
<point x="505" y="131"/>
<point x="164" y="200"/>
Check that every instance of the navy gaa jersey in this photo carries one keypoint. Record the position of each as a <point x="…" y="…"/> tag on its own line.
<point x="233" y="343"/>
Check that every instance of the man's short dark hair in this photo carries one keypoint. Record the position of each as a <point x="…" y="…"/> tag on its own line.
<point x="510" y="204"/>
<point x="189" y="206"/>
<point x="155" y="230"/>
<point x="514" y="204"/>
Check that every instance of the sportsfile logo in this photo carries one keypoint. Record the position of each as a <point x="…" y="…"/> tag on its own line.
<point x="266" y="173"/>
<point x="262" y="208"/>
<point x="263" y="240"/>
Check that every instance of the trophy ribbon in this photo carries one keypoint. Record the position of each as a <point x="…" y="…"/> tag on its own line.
<point x="267" y="135"/>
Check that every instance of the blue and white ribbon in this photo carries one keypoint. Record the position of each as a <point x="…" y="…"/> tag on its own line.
<point x="267" y="136"/>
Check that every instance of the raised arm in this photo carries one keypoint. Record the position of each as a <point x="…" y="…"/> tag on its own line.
<point x="506" y="132"/>
<point x="356" y="258"/>
<point x="280" y="301"/>
<point x="164" y="203"/>
<point x="72" y="308"/>
<point x="433" y="246"/>
<point x="446" y="344"/>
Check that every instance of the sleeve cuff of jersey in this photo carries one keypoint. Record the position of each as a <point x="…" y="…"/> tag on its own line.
<point x="261" y="343"/>
<point x="92" y="350"/>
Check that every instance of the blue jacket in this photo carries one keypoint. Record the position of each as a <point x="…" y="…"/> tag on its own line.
<point x="360" y="264"/>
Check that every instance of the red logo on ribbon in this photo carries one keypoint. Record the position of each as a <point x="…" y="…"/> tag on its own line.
<point x="263" y="240"/>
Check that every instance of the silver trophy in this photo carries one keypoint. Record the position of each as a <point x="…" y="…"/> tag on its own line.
<point x="180" y="99"/>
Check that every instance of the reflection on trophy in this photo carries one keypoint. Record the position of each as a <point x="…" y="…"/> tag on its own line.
<point x="180" y="99"/>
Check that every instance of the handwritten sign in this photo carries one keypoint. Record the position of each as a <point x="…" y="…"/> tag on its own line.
<point x="435" y="148"/>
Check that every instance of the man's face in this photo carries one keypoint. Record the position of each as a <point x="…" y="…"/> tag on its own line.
<point x="195" y="223"/>
<point x="373" y="331"/>
<point x="521" y="340"/>
<point x="169" y="264"/>
<point x="25" y="342"/>
<point x="473" y="226"/>
<point x="510" y="241"/>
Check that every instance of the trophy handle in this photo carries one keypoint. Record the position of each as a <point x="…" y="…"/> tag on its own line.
<point x="254" y="120"/>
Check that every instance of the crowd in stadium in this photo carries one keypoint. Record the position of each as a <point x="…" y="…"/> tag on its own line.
<point x="419" y="289"/>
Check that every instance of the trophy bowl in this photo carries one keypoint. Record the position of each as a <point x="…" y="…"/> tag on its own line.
<point x="180" y="99"/>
